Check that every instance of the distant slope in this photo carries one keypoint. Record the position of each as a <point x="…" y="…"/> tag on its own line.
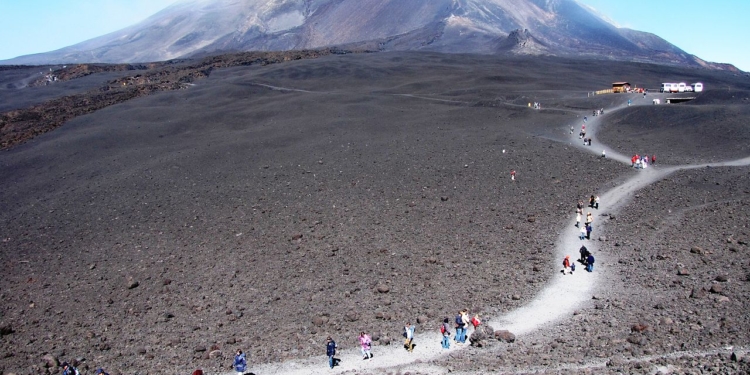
<point x="201" y="27"/>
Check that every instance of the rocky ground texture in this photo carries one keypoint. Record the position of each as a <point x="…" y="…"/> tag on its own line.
<point x="164" y="232"/>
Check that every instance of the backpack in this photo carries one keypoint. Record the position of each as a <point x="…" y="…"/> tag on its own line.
<point x="459" y="321"/>
<point x="475" y="321"/>
<point x="442" y="328"/>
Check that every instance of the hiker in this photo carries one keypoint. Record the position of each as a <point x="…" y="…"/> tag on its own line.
<point x="445" y="329"/>
<point x="100" y="371"/>
<point x="566" y="265"/>
<point x="366" y="343"/>
<point x="589" y="141"/>
<point x="590" y="263"/>
<point x="632" y="161"/>
<point x="604" y="154"/>
<point x="653" y="159"/>
<point x="584" y="141"/>
<point x="330" y="351"/>
<point x="584" y="119"/>
<point x="579" y="207"/>
<point x="589" y="218"/>
<point x="596" y="202"/>
<point x="512" y="174"/>
<point x="467" y="321"/>
<point x="629" y="101"/>
<point x="584" y="254"/>
<point x="459" y="324"/>
<point x="69" y="370"/>
<point x="240" y="362"/>
<point x="589" y="228"/>
<point x="475" y="321"/>
<point x="582" y="235"/>
<point x="591" y="201"/>
<point x="198" y="372"/>
<point x="578" y="219"/>
<point x="571" y="129"/>
<point x="409" y="337"/>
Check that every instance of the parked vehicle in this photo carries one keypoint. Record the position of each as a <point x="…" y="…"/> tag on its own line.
<point x="697" y="87"/>
<point x="681" y="87"/>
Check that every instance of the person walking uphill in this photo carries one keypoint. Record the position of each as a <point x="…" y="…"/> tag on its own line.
<point x="460" y="329"/>
<point x="366" y="343"/>
<point x="445" y="329"/>
<point x="330" y="351"/>
<point x="240" y="362"/>
<point x="409" y="337"/>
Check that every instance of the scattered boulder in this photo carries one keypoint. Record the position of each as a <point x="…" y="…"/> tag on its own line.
<point x="199" y="349"/>
<point x="505" y="336"/>
<point x="422" y="319"/>
<point x="351" y="316"/>
<point x="640" y="327"/>
<point x="697" y="250"/>
<point x="516" y="297"/>
<point x="666" y="321"/>
<point x="683" y="272"/>
<point x="637" y="339"/>
<point x="383" y="288"/>
<point x="214" y="354"/>
<point x="716" y="288"/>
<point x="50" y="361"/>
<point x="531" y="219"/>
<point x="698" y="293"/>
<point x="297" y="237"/>
<point x="721" y="278"/>
<point x="320" y="320"/>
<point x="443" y="198"/>
<point x="132" y="283"/>
<point x="6" y="329"/>
<point x="478" y="338"/>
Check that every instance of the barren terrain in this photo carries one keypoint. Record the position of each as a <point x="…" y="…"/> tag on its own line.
<point x="267" y="207"/>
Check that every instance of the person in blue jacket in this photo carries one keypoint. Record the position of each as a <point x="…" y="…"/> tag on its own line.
<point x="590" y="263"/>
<point x="240" y="362"/>
<point x="330" y="350"/>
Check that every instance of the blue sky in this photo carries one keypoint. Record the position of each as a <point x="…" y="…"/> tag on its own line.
<point x="712" y="30"/>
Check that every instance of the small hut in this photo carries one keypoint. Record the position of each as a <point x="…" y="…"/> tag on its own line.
<point x="621" y="87"/>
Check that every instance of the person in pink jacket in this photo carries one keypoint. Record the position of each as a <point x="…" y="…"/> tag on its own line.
<point x="366" y="343"/>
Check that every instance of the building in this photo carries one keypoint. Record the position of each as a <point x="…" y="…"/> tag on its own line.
<point x="621" y="87"/>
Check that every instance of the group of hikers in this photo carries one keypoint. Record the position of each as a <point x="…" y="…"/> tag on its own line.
<point x="586" y="258"/>
<point x="641" y="162"/>
<point x="69" y="369"/>
<point x="461" y="324"/>
<point x="586" y="229"/>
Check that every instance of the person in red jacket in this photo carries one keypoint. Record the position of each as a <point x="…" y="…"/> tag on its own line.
<point x="566" y="265"/>
<point x="653" y="159"/>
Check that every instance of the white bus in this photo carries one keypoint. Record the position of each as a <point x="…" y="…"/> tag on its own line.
<point x="697" y="87"/>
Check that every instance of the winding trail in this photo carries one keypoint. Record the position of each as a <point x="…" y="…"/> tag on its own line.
<point x="545" y="309"/>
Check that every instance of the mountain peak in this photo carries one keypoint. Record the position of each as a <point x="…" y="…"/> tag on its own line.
<point x="190" y="27"/>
